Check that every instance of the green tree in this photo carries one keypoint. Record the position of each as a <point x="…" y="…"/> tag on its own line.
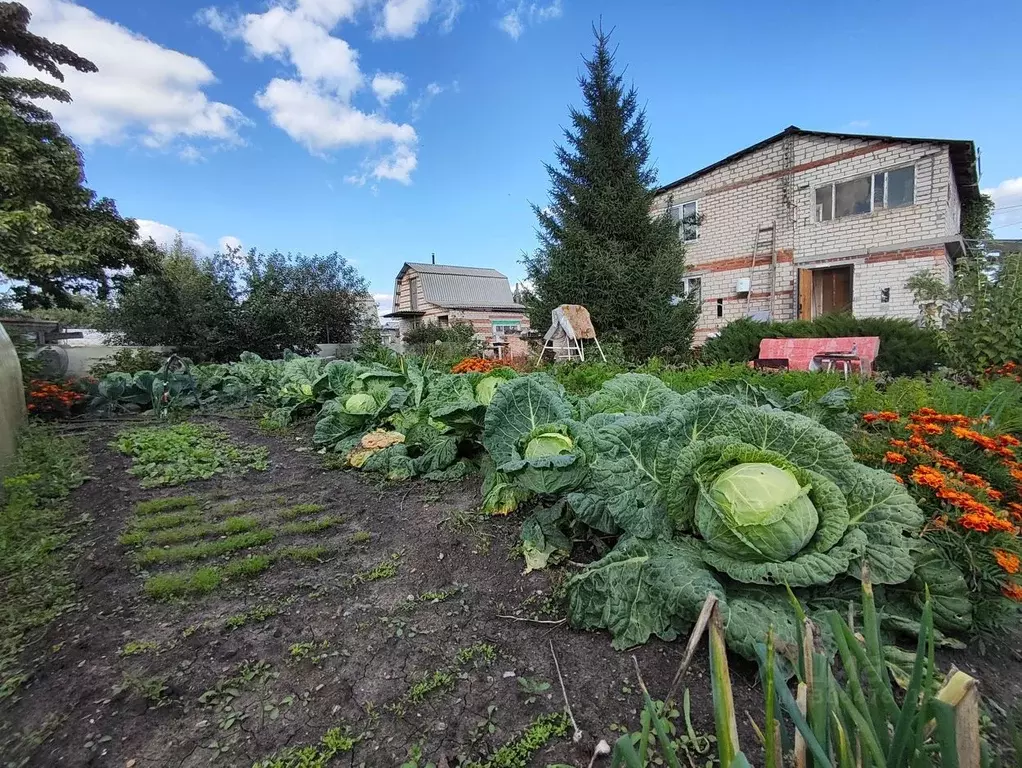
<point x="56" y="235"/>
<point x="599" y="246"/>
<point x="976" y="315"/>
<point x="215" y="308"/>
<point x="296" y="302"/>
<point x="186" y="302"/>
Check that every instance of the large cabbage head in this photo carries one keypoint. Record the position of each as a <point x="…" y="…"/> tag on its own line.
<point x="758" y="512"/>
<point x="361" y="404"/>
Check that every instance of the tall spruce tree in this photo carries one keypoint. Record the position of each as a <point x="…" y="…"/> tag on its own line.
<point x="599" y="245"/>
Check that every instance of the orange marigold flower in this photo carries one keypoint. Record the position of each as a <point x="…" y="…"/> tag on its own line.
<point x="950" y="464"/>
<point x="932" y="429"/>
<point x="1012" y="592"/>
<point x="928" y="476"/>
<point x="869" y="418"/>
<point x="894" y="458"/>
<point x="975" y="480"/>
<point x="898" y="443"/>
<point x="887" y="416"/>
<point x="899" y="479"/>
<point x="1009" y="440"/>
<point x="1016" y="509"/>
<point x="994" y="495"/>
<point x="1009" y="561"/>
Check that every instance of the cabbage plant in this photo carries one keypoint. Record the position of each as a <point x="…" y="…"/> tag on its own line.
<point x="713" y="495"/>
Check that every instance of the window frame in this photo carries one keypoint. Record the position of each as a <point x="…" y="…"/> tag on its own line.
<point x="681" y="220"/>
<point x="872" y="176"/>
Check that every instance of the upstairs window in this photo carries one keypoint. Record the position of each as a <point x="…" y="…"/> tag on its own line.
<point x="887" y="189"/>
<point x="686" y="216"/>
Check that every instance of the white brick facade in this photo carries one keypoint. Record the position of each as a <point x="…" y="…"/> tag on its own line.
<point x="775" y="186"/>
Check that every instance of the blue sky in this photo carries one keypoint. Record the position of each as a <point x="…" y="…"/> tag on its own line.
<point x="387" y="130"/>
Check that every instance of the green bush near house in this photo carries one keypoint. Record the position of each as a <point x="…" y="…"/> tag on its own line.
<point x="905" y="348"/>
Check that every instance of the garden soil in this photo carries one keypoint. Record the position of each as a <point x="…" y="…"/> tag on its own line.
<point x="343" y="650"/>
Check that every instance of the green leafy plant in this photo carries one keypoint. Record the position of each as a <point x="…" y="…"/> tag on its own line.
<point x="184" y="452"/>
<point x="34" y="538"/>
<point x="128" y="361"/>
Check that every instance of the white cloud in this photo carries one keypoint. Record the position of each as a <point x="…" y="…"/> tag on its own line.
<point x="315" y="106"/>
<point x="388" y="85"/>
<point x="425" y="98"/>
<point x="1007" y="218"/>
<point x="525" y="14"/>
<point x="142" y="90"/>
<point x="402" y="18"/>
<point x="384" y="302"/>
<point x="322" y="123"/>
<point x="858" y="125"/>
<point x="228" y="243"/>
<point x="164" y="235"/>
<point x="190" y="154"/>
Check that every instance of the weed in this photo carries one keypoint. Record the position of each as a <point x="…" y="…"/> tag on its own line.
<point x="252" y="616"/>
<point x="360" y="537"/>
<point x="189" y="532"/>
<point x="184" y="452"/>
<point x="439" y="596"/>
<point x="309" y="526"/>
<point x="440" y="680"/>
<point x="153" y="689"/>
<point x="300" y="510"/>
<point x="161" y="522"/>
<point x="300" y="652"/>
<point x="138" y="647"/>
<point x="385" y="569"/>
<point x="33" y="539"/>
<point x="518" y="752"/>
<point x="479" y="654"/>
<point x="155" y="506"/>
<point x="334" y="742"/>
<point x="532" y="688"/>
<point x="203" y="550"/>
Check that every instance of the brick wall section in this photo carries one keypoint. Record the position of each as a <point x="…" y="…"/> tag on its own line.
<point x="884" y="247"/>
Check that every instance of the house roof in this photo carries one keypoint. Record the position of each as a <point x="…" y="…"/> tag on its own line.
<point x="963" y="156"/>
<point x="455" y="287"/>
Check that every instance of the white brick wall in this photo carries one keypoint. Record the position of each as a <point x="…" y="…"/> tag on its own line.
<point x="751" y="192"/>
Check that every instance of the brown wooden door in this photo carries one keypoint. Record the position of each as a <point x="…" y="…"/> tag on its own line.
<point x="805" y="294"/>
<point x="833" y="288"/>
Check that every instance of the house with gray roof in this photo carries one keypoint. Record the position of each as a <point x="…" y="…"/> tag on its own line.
<point x="445" y="294"/>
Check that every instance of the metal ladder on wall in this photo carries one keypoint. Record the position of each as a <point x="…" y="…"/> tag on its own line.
<point x="764" y="242"/>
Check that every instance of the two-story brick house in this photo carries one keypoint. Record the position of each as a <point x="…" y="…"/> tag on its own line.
<point x="806" y="223"/>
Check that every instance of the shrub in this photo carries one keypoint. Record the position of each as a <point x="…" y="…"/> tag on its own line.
<point x="128" y="361"/>
<point x="453" y="342"/>
<point x="905" y="348"/>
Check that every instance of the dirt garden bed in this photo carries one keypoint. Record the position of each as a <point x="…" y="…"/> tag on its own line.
<point x="392" y="632"/>
<point x="388" y="615"/>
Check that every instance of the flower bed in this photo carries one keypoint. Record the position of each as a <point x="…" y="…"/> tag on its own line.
<point x="53" y="399"/>
<point x="967" y="477"/>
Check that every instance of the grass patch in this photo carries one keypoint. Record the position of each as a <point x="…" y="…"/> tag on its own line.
<point x="232" y="525"/>
<point x="519" y="751"/>
<point x="202" y="581"/>
<point x="480" y="654"/>
<point x="310" y="526"/>
<point x="184" y="452"/>
<point x="164" y="521"/>
<point x="360" y="537"/>
<point x="385" y="569"/>
<point x="232" y="508"/>
<point x="311" y="554"/>
<point x="203" y="550"/>
<point x="33" y="537"/>
<point x="301" y="510"/>
<point x="155" y="506"/>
